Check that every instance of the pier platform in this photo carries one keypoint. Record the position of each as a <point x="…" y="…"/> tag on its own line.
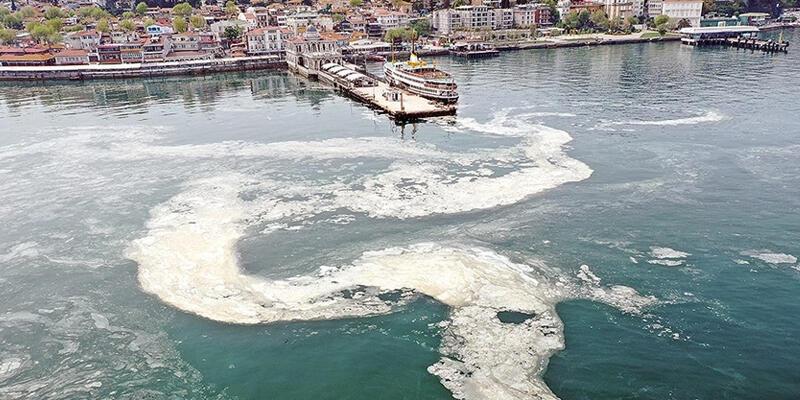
<point x="374" y="92"/>
<point x="743" y="37"/>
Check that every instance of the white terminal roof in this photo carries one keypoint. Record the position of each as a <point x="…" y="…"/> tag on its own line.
<point x="720" y="29"/>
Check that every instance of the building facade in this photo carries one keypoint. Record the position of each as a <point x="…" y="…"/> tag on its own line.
<point x="690" y="10"/>
<point x="267" y="41"/>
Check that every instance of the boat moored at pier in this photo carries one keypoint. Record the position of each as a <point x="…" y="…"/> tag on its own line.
<point x="422" y="79"/>
<point x="474" y="50"/>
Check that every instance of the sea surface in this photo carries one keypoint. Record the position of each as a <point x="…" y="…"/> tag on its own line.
<point x="618" y="222"/>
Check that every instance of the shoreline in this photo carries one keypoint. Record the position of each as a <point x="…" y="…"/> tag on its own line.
<point x="205" y="67"/>
<point x="140" y="70"/>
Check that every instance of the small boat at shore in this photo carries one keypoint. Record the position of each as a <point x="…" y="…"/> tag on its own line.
<point x="474" y="50"/>
<point x="420" y="78"/>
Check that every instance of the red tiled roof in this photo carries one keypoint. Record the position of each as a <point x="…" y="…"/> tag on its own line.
<point x="72" y="53"/>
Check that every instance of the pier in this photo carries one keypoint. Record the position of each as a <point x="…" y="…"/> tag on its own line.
<point x="374" y="92"/>
<point x="316" y="57"/>
<point x="742" y="37"/>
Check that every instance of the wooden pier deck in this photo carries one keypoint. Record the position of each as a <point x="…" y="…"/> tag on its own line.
<point x="371" y="90"/>
<point x="407" y="106"/>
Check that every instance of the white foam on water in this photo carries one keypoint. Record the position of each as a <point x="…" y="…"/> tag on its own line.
<point x="585" y="274"/>
<point x="770" y="257"/>
<point x="666" y="263"/>
<point x="188" y="259"/>
<point x="707" y="117"/>
<point x="666" y="252"/>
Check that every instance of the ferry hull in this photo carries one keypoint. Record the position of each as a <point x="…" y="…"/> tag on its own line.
<point x="395" y="78"/>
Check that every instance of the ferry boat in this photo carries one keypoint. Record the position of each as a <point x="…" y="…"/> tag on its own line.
<point x="422" y="79"/>
<point x="474" y="50"/>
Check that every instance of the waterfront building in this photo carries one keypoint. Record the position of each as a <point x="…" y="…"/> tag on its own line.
<point x="390" y="19"/>
<point x="654" y="7"/>
<point x="72" y="57"/>
<point x="476" y="17"/>
<point x="639" y="8"/>
<point x="188" y="56"/>
<point x="131" y="53"/>
<point x="753" y="18"/>
<point x="267" y="41"/>
<point x="532" y="14"/>
<point x="86" y="40"/>
<point x="482" y="18"/>
<point x="307" y="53"/>
<point x="123" y="37"/>
<point x="590" y="6"/>
<point x="25" y="56"/>
<point x="109" y="53"/>
<point x="187" y="41"/>
<point x="300" y="21"/>
<point x="690" y="10"/>
<point x="446" y="21"/>
<point x="618" y="9"/>
<point x="218" y="28"/>
<point x="158" y="30"/>
<point x="249" y="18"/>
<point x="156" y="48"/>
<point x="563" y="7"/>
<point x="503" y="18"/>
<point x="719" y="21"/>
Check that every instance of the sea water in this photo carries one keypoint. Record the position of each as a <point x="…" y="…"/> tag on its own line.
<point x="595" y="223"/>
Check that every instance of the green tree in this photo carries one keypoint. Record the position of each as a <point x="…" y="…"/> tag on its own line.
<point x="55" y="24"/>
<point x="422" y="26"/>
<point x="128" y="15"/>
<point x="141" y="8"/>
<point x="459" y="3"/>
<point x="631" y="21"/>
<point x="662" y="29"/>
<point x="103" y="26"/>
<point x="180" y="25"/>
<point x="337" y="18"/>
<point x="53" y="12"/>
<point x="182" y="9"/>
<point x="400" y="34"/>
<point x="13" y="21"/>
<point x="148" y="21"/>
<point x="584" y="18"/>
<point x="4" y="12"/>
<point x="231" y="8"/>
<point x="356" y="3"/>
<point x="93" y="13"/>
<point x="232" y="33"/>
<point x="599" y="20"/>
<point x="27" y="12"/>
<point x="614" y="25"/>
<point x="660" y="20"/>
<point x="7" y="36"/>
<point x="197" y="21"/>
<point x="43" y="33"/>
<point x="570" y="21"/>
<point x="127" y="25"/>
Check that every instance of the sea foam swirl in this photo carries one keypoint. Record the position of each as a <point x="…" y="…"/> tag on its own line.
<point x="188" y="257"/>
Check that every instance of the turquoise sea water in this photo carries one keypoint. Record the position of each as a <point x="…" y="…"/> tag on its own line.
<point x="691" y="196"/>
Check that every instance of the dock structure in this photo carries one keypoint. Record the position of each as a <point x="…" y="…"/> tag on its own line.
<point x="743" y="37"/>
<point x="316" y="57"/>
<point x="373" y="91"/>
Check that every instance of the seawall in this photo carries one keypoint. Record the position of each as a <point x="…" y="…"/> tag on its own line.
<point x="137" y="70"/>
